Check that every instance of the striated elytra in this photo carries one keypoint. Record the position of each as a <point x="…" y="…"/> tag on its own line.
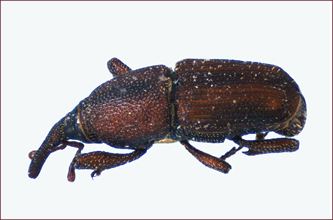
<point x="201" y="100"/>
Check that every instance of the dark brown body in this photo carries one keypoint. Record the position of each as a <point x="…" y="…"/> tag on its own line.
<point x="202" y="100"/>
<point x="218" y="99"/>
<point x="130" y="110"/>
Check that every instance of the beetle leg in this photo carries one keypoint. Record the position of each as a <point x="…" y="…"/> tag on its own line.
<point x="278" y="145"/>
<point x="116" y="67"/>
<point x="64" y="144"/>
<point x="231" y="152"/>
<point x="261" y="136"/>
<point x="72" y="144"/>
<point x="100" y="160"/>
<point x="210" y="161"/>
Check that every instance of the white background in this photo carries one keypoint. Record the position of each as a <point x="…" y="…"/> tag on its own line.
<point x="53" y="54"/>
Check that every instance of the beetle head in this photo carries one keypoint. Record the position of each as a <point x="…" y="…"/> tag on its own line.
<point x="67" y="128"/>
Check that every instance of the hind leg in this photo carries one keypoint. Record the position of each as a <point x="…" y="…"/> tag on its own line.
<point x="261" y="146"/>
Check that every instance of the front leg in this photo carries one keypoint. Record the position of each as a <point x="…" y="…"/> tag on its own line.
<point x="100" y="160"/>
<point x="117" y="68"/>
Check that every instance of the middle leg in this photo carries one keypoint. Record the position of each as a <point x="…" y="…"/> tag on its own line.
<point x="210" y="161"/>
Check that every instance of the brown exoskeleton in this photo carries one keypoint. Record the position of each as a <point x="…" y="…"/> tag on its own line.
<point x="201" y="100"/>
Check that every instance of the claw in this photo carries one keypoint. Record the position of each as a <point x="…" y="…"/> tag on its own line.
<point x="95" y="173"/>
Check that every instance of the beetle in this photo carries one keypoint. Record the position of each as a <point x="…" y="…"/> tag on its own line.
<point x="201" y="100"/>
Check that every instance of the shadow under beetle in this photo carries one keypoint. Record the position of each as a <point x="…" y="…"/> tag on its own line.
<point x="201" y="100"/>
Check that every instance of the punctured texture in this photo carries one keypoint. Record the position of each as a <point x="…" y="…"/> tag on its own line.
<point x="217" y="99"/>
<point x="129" y="110"/>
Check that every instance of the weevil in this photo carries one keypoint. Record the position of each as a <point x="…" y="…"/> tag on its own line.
<point x="201" y="100"/>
